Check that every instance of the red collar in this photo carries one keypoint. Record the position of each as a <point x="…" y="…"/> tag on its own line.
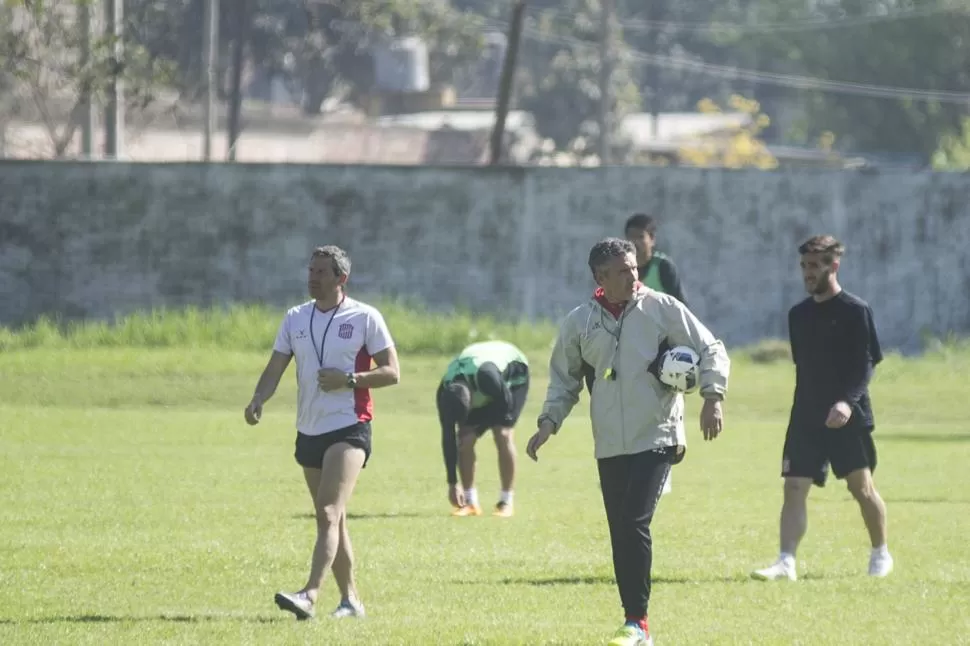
<point x="616" y="309"/>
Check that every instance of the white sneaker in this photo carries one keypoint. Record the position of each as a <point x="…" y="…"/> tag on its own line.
<point x="348" y="608"/>
<point x="782" y="569"/>
<point x="296" y="602"/>
<point x="880" y="564"/>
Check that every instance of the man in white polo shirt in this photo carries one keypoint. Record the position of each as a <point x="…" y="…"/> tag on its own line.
<point x="334" y="339"/>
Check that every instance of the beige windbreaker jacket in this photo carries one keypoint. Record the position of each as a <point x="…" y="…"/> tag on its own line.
<point x="631" y="411"/>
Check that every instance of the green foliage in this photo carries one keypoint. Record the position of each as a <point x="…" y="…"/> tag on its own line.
<point x="954" y="150"/>
<point x="559" y="77"/>
<point x="41" y="59"/>
<point x="930" y="52"/>
<point x="253" y="328"/>
<point x="742" y="148"/>
<point x="769" y="351"/>
<point x="326" y="48"/>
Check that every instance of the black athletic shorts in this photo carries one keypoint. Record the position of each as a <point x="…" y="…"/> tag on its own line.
<point x="809" y="451"/>
<point x="310" y="448"/>
<point x="493" y="414"/>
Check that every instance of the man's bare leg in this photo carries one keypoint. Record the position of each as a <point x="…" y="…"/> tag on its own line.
<point x="793" y="525"/>
<point x="466" y="470"/>
<point x="341" y="466"/>
<point x="466" y="457"/>
<point x="343" y="562"/>
<point x="505" y="445"/>
<point x="794" y="513"/>
<point x="863" y="489"/>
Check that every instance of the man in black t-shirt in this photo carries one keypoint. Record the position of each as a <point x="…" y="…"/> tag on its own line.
<point x="835" y="349"/>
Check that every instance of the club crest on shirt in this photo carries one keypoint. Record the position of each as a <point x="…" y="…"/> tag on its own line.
<point x="345" y="331"/>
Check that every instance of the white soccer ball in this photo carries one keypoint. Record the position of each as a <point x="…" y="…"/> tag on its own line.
<point x="680" y="369"/>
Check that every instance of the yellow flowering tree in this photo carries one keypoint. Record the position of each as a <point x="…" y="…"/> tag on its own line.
<point x="740" y="148"/>
<point x="954" y="151"/>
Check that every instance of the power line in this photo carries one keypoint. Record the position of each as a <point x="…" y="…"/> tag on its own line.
<point x="769" y="78"/>
<point x="791" y="27"/>
<point x="814" y="24"/>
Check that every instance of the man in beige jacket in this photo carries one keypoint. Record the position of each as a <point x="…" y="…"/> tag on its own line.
<point x="613" y="343"/>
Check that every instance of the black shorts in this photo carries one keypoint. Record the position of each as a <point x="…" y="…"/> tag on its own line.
<point x="310" y="448"/>
<point x="493" y="414"/>
<point x="808" y="452"/>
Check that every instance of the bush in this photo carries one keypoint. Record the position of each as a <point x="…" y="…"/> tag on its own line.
<point x="253" y="328"/>
<point x="769" y="351"/>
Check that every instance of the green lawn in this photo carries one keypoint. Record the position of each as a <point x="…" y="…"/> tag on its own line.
<point x="137" y="507"/>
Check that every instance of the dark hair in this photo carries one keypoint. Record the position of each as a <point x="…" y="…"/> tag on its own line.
<point x="338" y="257"/>
<point x="642" y="221"/>
<point x="826" y="245"/>
<point x="608" y="249"/>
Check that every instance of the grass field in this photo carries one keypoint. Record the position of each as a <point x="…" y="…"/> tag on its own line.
<point x="137" y="507"/>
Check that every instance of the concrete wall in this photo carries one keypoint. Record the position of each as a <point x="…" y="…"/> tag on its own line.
<point x="94" y="240"/>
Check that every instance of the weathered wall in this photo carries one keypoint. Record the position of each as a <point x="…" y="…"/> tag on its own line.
<point x="94" y="240"/>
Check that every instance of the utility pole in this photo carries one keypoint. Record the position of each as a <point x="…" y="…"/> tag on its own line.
<point x="506" y="82"/>
<point x="655" y="14"/>
<point x="235" y="91"/>
<point x="114" y="111"/>
<point x="86" y="24"/>
<point x="607" y="14"/>
<point x="210" y="49"/>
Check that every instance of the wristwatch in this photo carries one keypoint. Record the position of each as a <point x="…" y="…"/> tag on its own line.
<point x="351" y="380"/>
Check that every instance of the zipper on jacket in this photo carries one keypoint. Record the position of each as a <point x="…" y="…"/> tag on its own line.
<point x="619" y="334"/>
<point x="616" y="359"/>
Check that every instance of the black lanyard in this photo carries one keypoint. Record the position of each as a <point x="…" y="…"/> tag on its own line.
<point x="323" y="341"/>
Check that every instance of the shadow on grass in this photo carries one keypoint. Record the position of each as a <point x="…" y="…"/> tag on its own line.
<point x="604" y="580"/>
<point x="828" y="576"/>
<point x="563" y="580"/>
<point x="928" y="501"/>
<point x="379" y="516"/>
<point x="923" y="437"/>
<point x="741" y="577"/>
<point x="122" y="619"/>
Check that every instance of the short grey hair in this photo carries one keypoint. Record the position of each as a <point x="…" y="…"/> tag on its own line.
<point x="606" y="250"/>
<point x="338" y="258"/>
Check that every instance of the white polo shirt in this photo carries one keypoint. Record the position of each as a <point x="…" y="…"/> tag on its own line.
<point x="344" y="338"/>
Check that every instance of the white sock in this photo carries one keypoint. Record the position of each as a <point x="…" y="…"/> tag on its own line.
<point x="787" y="559"/>
<point x="882" y="550"/>
<point x="506" y="497"/>
<point x="471" y="496"/>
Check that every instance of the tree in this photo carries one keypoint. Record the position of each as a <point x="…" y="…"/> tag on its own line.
<point x="327" y="48"/>
<point x="865" y="42"/>
<point x="676" y="30"/>
<point x="739" y="149"/>
<point x="455" y="39"/>
<point x="954" y="151"/>
<point x="42" y="65"/>
<point x="559" y="79"/>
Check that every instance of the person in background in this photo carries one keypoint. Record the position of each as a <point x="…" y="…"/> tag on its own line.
<point x="483" y="388"/>
<point x="655" y="269"/>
